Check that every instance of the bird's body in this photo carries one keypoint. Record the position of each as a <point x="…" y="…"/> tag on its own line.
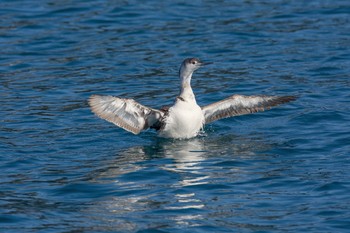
<point x="185" y="118"/>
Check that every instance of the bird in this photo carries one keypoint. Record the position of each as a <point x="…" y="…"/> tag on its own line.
<point x="185" y="118"/>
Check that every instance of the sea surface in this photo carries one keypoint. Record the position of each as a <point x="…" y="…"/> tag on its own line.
<point x="65" y="170"/>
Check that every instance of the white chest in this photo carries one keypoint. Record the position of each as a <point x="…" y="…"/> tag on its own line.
<point x="185" y="120"/>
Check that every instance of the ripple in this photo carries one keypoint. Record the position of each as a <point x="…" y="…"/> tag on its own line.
<point x="66" y="170"/>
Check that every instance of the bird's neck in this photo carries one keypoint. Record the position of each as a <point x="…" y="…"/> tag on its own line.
<point x="186" y="89"/>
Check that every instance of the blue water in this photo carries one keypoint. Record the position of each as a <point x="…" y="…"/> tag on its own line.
<point x="65" y="170"/>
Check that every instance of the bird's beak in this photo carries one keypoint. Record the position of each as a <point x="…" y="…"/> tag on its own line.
<point x="206" y="63"/>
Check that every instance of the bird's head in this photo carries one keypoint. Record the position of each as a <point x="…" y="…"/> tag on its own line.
<point x="189" y="65"/>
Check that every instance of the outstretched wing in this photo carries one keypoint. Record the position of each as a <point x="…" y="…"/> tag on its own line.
<point x="125" y="113"/>
<point x="239" y="105"/>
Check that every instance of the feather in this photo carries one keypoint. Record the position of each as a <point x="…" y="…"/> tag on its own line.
<point x="125" y="113"/>
<point x="239" y="105"/>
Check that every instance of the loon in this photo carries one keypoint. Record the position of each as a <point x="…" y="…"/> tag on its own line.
<point x="185" y="119"/>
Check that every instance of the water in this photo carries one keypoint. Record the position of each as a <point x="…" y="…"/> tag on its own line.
<point x="65" y="170"/>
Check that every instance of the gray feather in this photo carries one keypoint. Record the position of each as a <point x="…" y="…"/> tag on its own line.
<point x="239" y="105"/>
<point x="125" y="113"/>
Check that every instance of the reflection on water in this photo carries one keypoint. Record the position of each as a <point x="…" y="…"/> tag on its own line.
<point x="168" y="177"/>
<point x="187" y="156"/>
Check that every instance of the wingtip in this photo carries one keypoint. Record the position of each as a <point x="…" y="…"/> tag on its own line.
<point x="288" y="98"/>
<point x="93" y="102"/>
<point x="91" y="99"/>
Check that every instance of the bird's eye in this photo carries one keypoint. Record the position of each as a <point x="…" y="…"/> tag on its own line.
<point x="194" y="62"/>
